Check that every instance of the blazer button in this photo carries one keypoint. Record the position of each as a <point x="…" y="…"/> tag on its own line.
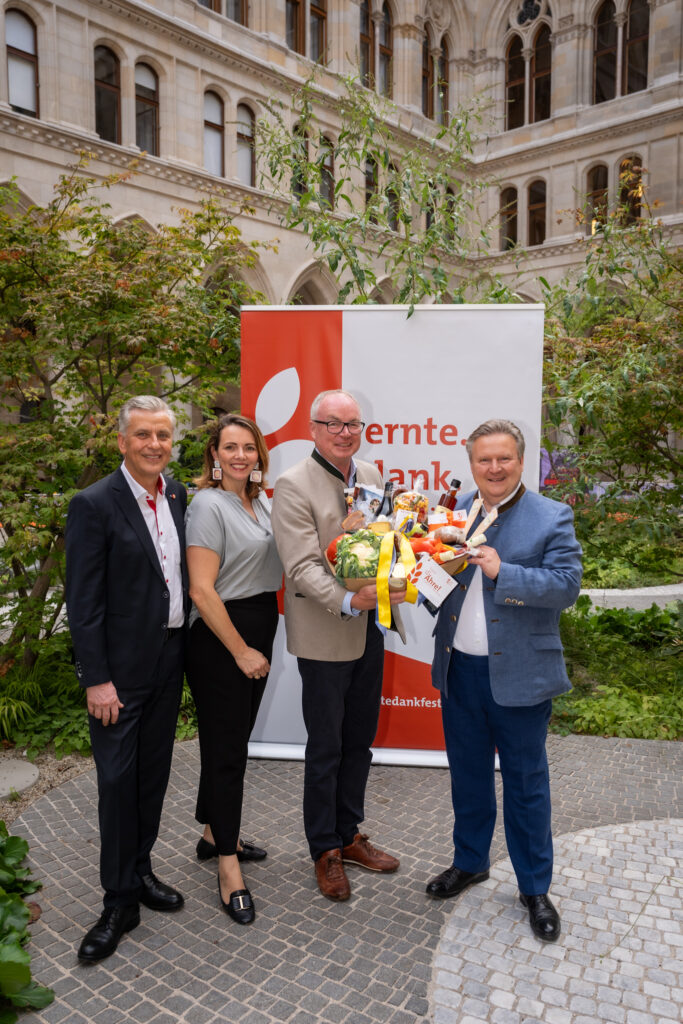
<point x="521" y="604"/>
<point x="163" y="625"/>
<point x="453" y="618"/>
<point x="448" y="650"/>
<point x="165" y="593"/>
<point x="508" y="601"/>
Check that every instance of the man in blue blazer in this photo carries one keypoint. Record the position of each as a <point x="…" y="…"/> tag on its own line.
<point x="126" y="595"/>
<point x="498" y="663"/>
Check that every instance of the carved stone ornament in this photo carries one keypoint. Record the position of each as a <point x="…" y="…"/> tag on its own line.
<point x="439" y="14"/>
<point x="529" y="12"/>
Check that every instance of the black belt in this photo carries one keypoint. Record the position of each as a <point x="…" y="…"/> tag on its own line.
<point x="172" y="632"/>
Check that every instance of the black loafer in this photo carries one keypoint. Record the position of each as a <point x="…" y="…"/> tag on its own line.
<point x="452" y="881"/>
<point x="158" y="896"/>
<point x="240" y="905"/>
<point x="543" y="917"/>
<point x="103" y="937"/>
<point x="207" y="850"/>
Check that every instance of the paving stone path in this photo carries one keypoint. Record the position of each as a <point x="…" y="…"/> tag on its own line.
<point x="390" y="954"/>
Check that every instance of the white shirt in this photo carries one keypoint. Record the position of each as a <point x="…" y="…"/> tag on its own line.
<point x="162" y="530"/>
<point x="471" y="636"/>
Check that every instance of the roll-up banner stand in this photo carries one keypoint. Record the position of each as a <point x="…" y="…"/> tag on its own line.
<point x="423" y="382"/>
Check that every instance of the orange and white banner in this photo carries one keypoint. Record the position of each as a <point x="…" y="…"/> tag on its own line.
<point x="422" y="382"/>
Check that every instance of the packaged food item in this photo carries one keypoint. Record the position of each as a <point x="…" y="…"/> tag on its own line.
<point x="412" y="501"/>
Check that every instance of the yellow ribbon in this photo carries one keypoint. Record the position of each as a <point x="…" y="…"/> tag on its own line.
<point x="386" y="554"/>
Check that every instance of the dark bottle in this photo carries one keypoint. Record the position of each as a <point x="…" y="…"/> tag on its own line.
<point x="449" y="499"/>
<point x="387" y="505"/>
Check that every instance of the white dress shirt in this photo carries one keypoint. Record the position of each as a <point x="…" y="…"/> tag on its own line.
<point x="471" y="636"/>
<point x="162" y="530"/>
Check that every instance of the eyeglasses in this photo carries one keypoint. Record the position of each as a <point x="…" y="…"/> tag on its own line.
<point x="336" y="426"/>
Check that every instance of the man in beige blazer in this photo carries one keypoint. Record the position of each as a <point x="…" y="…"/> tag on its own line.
<point x="339" y="649"/>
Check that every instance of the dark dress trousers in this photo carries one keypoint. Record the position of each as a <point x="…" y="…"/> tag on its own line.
<point x="118" y="609"/>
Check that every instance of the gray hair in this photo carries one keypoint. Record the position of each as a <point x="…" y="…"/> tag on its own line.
<point x="497" y="427"/>
<point x="319" y="399"/>
<point x="149" y="403"/>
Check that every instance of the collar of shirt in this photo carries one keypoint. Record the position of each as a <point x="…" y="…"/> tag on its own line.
<point x="137" y="489"/>
<point x="501" y="504"/>
<point x="352" y="474"/>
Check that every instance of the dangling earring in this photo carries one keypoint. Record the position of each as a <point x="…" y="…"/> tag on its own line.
<point x="256" y="476"/>
<point x="216" y="472"/>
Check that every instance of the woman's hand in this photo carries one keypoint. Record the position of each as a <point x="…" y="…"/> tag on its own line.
<point x="253" y="664"/>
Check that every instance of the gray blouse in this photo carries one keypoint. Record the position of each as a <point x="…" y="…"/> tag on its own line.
<point x="249" y="562"/>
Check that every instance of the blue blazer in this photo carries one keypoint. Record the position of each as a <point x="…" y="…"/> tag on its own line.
<point x="116" y="596"/>
<point x="540" y="574"/>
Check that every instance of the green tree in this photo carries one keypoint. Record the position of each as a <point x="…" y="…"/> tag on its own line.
<point x="92" y="312"/>
<point x="402" y="207"/>
<point x="613" y="376"/>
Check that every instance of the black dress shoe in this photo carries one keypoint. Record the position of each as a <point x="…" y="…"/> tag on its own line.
<point x="452" y="881"/>
<point x="543" y="918"/>
<point x="240" y="905"/>
<point x="158" y="896"/>
<point x="103" y="937"/>
<point x="207" y="850"/>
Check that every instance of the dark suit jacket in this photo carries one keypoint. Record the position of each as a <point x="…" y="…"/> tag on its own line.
<point x="116" y="596"/>
<point x="540" y="574"/>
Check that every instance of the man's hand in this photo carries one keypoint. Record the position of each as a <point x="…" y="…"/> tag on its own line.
<point x="104" y="703"/>
<point x="365" y="599"/>
<point x="488" y="559"/>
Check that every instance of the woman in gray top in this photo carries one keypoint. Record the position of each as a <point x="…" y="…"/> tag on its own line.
<point x="235" y="574"/>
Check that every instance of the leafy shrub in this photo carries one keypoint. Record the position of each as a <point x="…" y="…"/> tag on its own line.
<point x="625" y="666"/>
<point x="17" y="989"/>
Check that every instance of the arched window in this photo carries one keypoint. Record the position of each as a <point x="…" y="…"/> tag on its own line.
<point x="605" y="54"/>
<point x="318" y="29"/>
<point x="237" y="10"/>
<point x="326" y="172"/>
<point x="246" y="164"/>
<point x="370" y="185"/>
<point x="107" y="95"/>
<point x="508" y="218"/>
<point x="300" y="159"/>
<point x="393" y="196"/>
<point x="441" y="100"/>
<point x="294" y="25"/>
<point x="386" y="52"/>
<point x="214" y="121"/>
<point x="537" y="212"/>
<point x="596" y="191"/>
<point x="367" y="46"/>
<point x="630" y="189"/>
<point x="540" y="76"/>
<point x="514" y="84"/>
<point x="635" y="49"/>
<point x="147" y="109"/>
<point x="427" y="77"/>
<point x="435" y="81"/>
<point x="22" y="63"/>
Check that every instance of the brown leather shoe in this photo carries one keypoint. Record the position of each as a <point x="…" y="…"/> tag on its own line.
<point x="331" y="877"/>
<point x="362" y="852"/>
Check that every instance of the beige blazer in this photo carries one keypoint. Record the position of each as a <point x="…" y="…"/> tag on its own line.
<point x="308" y="507"/>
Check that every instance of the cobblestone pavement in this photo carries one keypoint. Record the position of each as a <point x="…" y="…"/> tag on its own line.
<point x="390" y="954"/>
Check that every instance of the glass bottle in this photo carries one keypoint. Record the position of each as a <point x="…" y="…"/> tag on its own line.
<point x="387" y="505"/>
<point x="449" y="499"/>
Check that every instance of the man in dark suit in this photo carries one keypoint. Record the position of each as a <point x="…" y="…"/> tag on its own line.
<point x="126" y="595"/>
<point x="498" y="663"/>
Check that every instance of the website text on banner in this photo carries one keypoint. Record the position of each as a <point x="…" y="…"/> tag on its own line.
<point x="423" y="382"/>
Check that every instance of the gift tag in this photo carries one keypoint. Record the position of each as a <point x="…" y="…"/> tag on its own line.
<point x="431" y="580"/>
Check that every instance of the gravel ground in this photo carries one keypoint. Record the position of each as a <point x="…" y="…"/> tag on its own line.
<point x="53" y="773"/>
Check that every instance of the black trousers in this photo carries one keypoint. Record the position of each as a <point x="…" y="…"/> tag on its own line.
<point x="227" y="704"/>
<point x="341" y="701"/>
<point x="133" y="761"/>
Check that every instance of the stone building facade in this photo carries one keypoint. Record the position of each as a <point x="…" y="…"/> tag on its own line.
<point x="577" y="89"/>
